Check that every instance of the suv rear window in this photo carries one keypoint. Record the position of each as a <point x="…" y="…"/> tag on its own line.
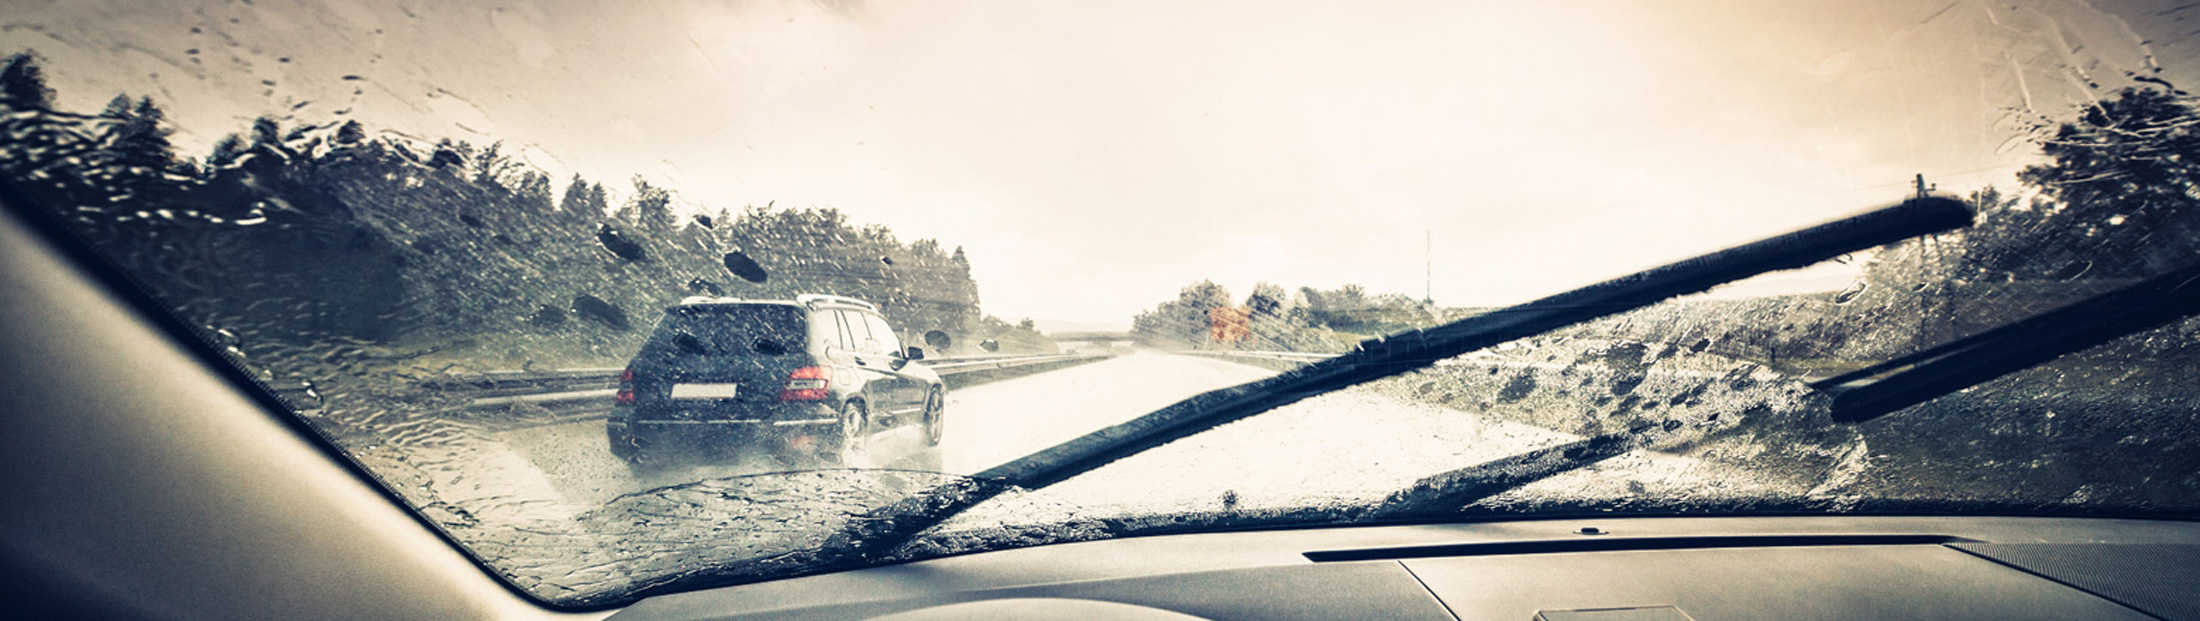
<point x="731" y="329"/>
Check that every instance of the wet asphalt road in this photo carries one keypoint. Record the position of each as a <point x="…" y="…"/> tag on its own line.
<point x="986" y="425"/>
<point x="550" y="497"/>
<point x="1347" y="443"/>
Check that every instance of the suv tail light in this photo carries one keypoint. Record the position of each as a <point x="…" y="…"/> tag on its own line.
<point x="625" y="395"/>
<point x="807" y="384"/>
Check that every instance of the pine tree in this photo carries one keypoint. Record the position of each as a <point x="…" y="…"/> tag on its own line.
<point x="117" y="108"/>
<point x="491" y="168"/>
<point x="573" y="207"/>
<point x="533" y="191"/>
<point x="225" y="151"/>
<point x="650" y="207"/>
<point x="925" y="250"/>
<point x="141" y="140"/>
<point x="598" y="201"/>
<point x="23" y="83"/>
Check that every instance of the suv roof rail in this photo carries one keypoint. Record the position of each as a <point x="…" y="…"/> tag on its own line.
<point x="707" y="299"/>
<point x="813" y="298"/>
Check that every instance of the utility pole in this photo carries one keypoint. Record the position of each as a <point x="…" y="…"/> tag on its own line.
<point x="1428" y="269"/>
<point x="1928" y="253"/>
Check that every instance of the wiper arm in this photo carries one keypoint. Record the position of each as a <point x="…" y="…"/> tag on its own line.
<point x="1387" y="356"/>
<point x="1889" y="386"/>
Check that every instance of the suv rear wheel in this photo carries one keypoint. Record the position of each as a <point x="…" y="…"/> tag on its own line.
<point x="935" y="406"/>
<point x="628" y="448"/>
<point x="855" y="433"/>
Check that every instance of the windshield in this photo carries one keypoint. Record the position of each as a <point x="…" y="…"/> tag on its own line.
<point x="634" y="301"/>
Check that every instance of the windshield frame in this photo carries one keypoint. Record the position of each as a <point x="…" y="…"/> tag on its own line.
<point x="292" y="391"/>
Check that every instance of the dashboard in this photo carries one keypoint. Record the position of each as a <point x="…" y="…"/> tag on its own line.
<point x="1626" y="568"/>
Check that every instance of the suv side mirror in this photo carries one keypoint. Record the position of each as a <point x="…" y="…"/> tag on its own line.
<point x="913" y="354"/>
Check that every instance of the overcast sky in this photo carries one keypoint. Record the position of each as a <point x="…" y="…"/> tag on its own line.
<point x="1093" y="157"/>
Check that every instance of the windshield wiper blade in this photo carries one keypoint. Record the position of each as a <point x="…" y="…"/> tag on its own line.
<point x="1449" y="491"/>
<point x="1890" y="386"/>
<point x="1383" y="357"/>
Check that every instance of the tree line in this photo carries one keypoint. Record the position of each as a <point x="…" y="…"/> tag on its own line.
<point x="302" y="234"/>
<point x="1204" y="315"/>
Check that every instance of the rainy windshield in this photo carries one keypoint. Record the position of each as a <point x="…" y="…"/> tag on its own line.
<point x="634" y="301"/>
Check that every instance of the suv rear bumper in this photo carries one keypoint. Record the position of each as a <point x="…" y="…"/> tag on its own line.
<point x="738" y="422"/>
<point x="631" y="430"/>
<point x="777" y="414"/>
<point x="641" y="437"/>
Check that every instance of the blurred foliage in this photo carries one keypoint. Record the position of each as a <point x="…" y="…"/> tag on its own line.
<point x="1306" y="320"/>
<point x="448" y="251"/>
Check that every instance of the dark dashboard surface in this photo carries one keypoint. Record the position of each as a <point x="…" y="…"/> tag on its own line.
<point x="1635" y="568"/>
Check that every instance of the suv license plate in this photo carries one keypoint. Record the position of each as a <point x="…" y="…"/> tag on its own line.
<point x="704" y="391"/>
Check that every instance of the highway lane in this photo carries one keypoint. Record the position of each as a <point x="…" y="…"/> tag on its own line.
<point x="569" y="466"/>
<point x="1340" y="447"/>
<point x="992" y="423"/>
<point x="1350" y="448"/>
<point x="554" y="497"/>
<point x="529" y="491"/>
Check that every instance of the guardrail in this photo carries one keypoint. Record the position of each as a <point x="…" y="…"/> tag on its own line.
<point x="1289" y="356"/>
<point x="1284" y="360"/>
<point x="969" y="364"/>
<point x="1274" y="360"/>
<point x="499" y="383"/>
<point x="590" y="387"/>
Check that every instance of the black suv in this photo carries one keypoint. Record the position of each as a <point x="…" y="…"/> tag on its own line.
<point x="820" y="373"/>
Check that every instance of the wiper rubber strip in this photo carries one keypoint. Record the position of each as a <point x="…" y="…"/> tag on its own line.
<point x="1383" y="357"/>
<point x="1446" y="492"/>
<point x="1890" y="386"/>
